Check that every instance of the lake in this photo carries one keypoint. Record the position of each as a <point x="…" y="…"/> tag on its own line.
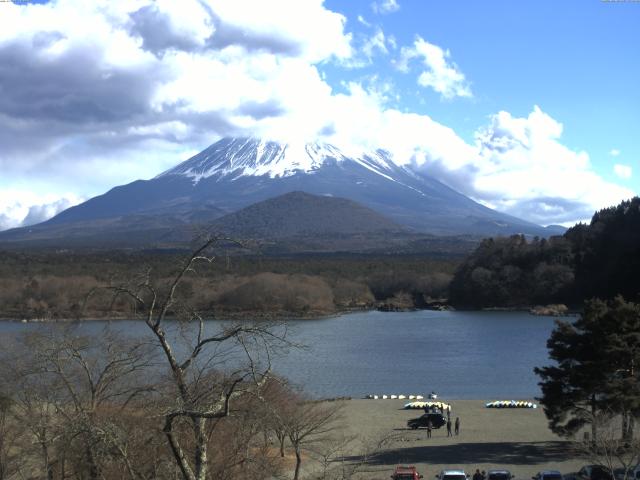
<point x="459" y="355"/>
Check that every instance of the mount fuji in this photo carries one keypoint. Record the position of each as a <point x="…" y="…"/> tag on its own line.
<point x="235" y="173"/>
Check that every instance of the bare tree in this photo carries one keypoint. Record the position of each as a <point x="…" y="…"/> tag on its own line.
<point x="35" y="411"/>
<point x="202" y="390"/>
<point x="609" y="449"/>
<point x="277" y="400"/>
<point x="346" y="457"/>
<point x="313" y="428"/>
<point x="10" y="436"/>
<point x="308" y="424"/>
<point x="238" y="447"/>
<point x="331" y="458"/>
<point x="185" y="401"/>
<point x="71" y="396"/>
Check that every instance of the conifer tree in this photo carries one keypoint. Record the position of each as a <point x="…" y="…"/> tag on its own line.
<point x="596" y="368"/>
<point x="618" y="326"/>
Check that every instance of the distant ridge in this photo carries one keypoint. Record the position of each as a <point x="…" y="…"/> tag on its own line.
<point x="302" y="214"/>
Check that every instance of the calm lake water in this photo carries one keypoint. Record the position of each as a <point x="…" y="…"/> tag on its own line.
<point x="459" y="355"/>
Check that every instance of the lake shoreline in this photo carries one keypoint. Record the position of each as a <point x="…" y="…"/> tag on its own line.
<point x="208" y="316"/>
<point x="281" y="316"/>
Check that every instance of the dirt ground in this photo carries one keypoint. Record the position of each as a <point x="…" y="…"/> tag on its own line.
<point x="514" y="439"/>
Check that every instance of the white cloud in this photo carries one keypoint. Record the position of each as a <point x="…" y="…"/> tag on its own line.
<point x="361" y="118"/>
<point x="20" y="208"/>
<point x="392" y="42"/>
<point x="375" y="42"/>
<point x="440" y="73"/>
<point x="366" y="46"/>
<point x="362" y="20"/>
<point x="124" y="88"/>
<point x="522" y="168"/>
<point x="614" y="152"/>
<point x="385" y="6"/>
<point x="517" y="164"/>
<point x="622" y="171"/>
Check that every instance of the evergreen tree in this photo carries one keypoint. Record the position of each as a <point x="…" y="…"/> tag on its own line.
<point x="618" y="326"/>
<point x="595" y="370"/>
<point x="573" y="387"/>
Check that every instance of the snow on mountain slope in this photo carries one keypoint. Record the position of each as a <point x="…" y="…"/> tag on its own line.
<point x="238" y="157"/>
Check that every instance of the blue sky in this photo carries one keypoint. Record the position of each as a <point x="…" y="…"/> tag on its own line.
<point x="578" y="60"/>
<point x="531" y="107"/>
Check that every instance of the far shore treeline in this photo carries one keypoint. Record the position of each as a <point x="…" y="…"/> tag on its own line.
<point x="600" y="259"/>
<point x="54" y="285"/>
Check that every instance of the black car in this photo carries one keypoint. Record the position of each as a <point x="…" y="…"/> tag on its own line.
<point x="547" y="475"/>
<point x="631" y="473"/>
<point x="437" y="421"/>
<point x="594" y="472"/>
<point x="499" y="475"/>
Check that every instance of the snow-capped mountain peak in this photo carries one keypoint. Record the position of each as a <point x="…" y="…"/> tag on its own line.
<point x="242" y="157"/>
<point x="235" y="173"/>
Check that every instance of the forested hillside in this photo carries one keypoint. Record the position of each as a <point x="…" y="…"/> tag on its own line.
<point x="601" y="259"/>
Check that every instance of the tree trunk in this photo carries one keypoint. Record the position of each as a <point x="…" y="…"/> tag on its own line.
<point x="94" y="469"/>
<point x="48" y="468"/>
<point x="63" y="465"/>
<point x="298" y="463"/>
<point x="178" y="454"/>
<point x="594" y="427"/>
<point x="201" y="448"/>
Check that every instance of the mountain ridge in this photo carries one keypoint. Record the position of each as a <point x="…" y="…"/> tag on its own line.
<point x="302" y="214"/>
<point x="235" y="173"/>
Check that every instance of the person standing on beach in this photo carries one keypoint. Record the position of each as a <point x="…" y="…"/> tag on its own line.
<point x="478" y="475"/>
<point x="449" y="428"/>
<point x="429" y="427"/>
<point x="457" y="426"/>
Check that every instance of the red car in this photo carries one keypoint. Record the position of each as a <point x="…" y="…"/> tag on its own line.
<point x="406" y="473"/>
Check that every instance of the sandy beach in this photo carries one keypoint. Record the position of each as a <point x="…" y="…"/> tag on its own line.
<point x="514" y="439"/>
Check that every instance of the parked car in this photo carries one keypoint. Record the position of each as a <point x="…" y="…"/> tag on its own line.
<point x="619" y="474"/>
<point x="452" y="475"/>
<point x="547" y="475"/>
<point x="406" y="473"/>
<point x="437" y="421"/>
<point x="499" y="475"/>
<point x="632" y="474"/>
<point x="594" y="472"/>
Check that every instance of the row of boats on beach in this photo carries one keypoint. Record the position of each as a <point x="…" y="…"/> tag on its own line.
<point x="394" y="397"/>
<point x="511" y="404"/>
<point x="443" y="407"/>
<point x="420" y="403"/>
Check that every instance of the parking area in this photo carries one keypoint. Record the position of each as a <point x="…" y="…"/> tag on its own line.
<point x="517" y="440"/>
